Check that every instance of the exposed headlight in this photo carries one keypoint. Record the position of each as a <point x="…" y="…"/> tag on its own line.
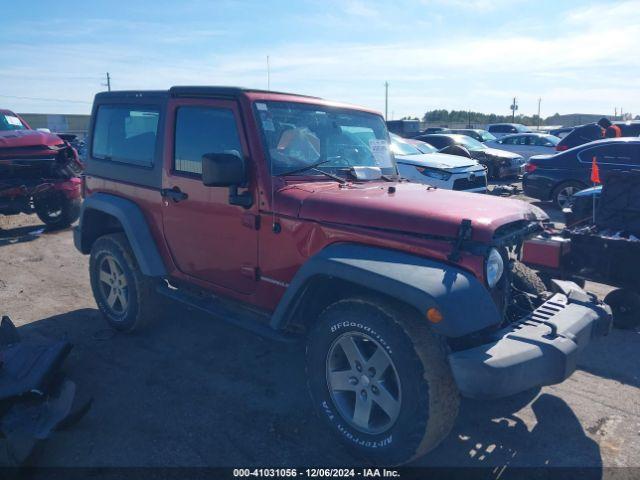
<point x="494" y="267"/>
<point x="434" y="173"/>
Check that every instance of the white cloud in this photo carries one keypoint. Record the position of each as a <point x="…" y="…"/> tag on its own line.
<point x="359" y="8"/>
<point x="476" y="5"/>
<point x="590" y="65"/>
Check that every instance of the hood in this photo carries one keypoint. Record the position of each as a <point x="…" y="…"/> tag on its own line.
<point x="413" y="208"/>
<point x="587" y="192"/>
<point x="27" y="138"/>
<point x="442" y="161"/>
<point x="494" y="152"/>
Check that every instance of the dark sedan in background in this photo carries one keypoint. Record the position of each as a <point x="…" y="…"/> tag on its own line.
<point x="558" y="177"/>
<point x="499" y="163"/>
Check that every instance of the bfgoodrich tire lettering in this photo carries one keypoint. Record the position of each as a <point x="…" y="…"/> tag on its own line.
<point x="136" y="301"/>
<point x="429" y="398"/>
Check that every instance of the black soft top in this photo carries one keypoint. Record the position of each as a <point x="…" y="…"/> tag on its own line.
<point x="187" y="91"/>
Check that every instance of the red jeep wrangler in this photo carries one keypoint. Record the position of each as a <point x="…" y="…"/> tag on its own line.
<point x="285" y="214"/>
<point x="38" y="173"/>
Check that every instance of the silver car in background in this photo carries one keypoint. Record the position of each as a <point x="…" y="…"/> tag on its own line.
<point x="526" y="144"/>
<point x="451" y="172"/>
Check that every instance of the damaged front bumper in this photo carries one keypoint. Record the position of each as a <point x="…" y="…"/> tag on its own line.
<point x="541" y="349"/>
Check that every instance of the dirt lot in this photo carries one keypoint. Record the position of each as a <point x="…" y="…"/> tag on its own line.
<point x="194" y="392"/>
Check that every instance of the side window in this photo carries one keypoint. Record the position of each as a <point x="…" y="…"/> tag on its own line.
<point x="627" y="155"/>
<point x="201" y="130"/>
<point x="520" y="140"/>
<point x="542" y="142"/>
<point x="614" y="155"/>
<point x="125" y="134"/>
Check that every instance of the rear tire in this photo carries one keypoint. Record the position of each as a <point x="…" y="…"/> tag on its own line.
<point x="561" y="195"/>
<point x="416" y="376"/>
<point x="625" y="305"/>
<point x="58" y="211"/>
<point x="127" y="298"/>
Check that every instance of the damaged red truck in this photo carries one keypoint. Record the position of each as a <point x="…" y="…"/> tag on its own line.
<point x="284" y="214"/>
<point x="38" y="173"/>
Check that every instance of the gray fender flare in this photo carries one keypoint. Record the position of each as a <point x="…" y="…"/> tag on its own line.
<point x="465" y="303"/>
<point x="135" y="228"/>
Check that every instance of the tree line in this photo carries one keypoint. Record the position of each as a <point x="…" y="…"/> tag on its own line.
<point x="462" y="116"/>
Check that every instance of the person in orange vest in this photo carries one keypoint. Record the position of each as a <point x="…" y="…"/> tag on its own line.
<point x="609" y="129"/>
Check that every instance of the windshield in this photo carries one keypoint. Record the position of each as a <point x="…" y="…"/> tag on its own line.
<point x="486" y="136"/>
<point x="552" y="139"/>
<point x="298" y="135"/>
<point x="399" y="147"/>
<point x="469" y="143"/>
<point x="9" y="121"/>
<point x="424" y="147"/>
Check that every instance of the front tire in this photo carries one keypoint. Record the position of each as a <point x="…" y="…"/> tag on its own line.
<point x="125" y="297"/>
<point x="380" y="379"/>
<point x="58" y="211"/>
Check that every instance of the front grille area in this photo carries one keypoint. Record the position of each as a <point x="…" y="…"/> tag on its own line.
<point x="466" y="184"/>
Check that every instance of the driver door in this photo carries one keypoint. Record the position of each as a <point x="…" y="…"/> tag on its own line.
<point x="209" y="239"/>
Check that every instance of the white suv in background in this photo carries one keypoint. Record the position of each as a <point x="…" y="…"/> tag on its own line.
<point x="420" y="162"/>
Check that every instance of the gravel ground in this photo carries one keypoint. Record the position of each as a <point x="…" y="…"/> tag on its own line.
<point x="191" y="391"/>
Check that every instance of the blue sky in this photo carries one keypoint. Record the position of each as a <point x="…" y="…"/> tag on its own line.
<point x="579" y="56"/>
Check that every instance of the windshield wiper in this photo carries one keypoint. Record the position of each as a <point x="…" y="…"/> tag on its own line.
<point x="314" y="167"/>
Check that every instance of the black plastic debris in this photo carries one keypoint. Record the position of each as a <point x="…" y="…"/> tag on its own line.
<point x="36" y="399"/>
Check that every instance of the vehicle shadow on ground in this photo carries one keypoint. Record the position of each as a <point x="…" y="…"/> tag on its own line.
<point x="491" y="436"/>
<point x="29" y="233"/>
<point x="615" y="356"/>
<point x="191" y="391"/>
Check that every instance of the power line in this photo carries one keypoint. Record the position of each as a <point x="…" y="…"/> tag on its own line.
<point x="60" y="100"/>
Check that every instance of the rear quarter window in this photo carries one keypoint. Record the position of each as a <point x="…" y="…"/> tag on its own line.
<point x="125" y="134"/>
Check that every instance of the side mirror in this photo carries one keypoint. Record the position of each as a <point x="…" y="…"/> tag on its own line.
<point x="44" y="130"/>
<point x="223" y="170"/>
<point x="227" y="170"/>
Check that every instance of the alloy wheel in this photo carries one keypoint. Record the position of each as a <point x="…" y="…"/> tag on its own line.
<point x="113" y="285"/>
<point x="564" y="196"/>
<point x="363" y="383"/>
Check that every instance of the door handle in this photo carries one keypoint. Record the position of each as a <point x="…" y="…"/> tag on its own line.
<point x="174" y="194"/>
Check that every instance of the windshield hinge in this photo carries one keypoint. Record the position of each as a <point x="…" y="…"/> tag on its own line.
<point x="464" y="233"/>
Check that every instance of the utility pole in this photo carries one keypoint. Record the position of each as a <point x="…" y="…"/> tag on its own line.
<point x="615" y="113"/>
<point x="386" y="100"/>
<point x="514" y="107"/>
<point x="108" y="84"/>
<point x="268" y="74"/>
<point x="539" y="102"/>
